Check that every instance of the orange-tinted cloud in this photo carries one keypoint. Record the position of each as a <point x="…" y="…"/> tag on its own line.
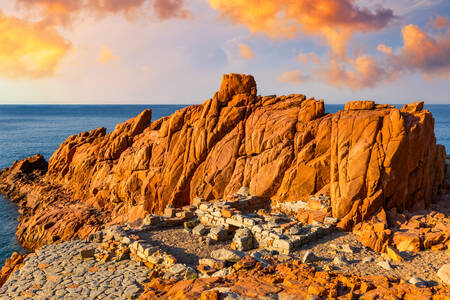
<point x="167" y="9"/>
<point x="309" y="57"/>
<point x="384" y="49"/>
<point x="59" y="12"/>
<point x="359" y="73"/>
<point x="440" y="22"/>
<point x="336" y="20"/>
<point x="28" y="49"/>
<point x="245" y="51"/>
<point x="422" y="52"/>
<point x="294" y="76"/>
<point x="106" y="55"/>
<point x="64" y="12"/>
<point x="129" y="8"/>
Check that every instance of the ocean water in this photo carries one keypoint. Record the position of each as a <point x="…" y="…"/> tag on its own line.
<point x="27" y="130"/>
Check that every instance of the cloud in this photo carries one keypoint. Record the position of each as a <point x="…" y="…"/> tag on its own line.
<point x="245" y="51"/>
<point x="294" y="76"/>
<point x="106" y="55"/>
<point x="34" y="49"/>
<point x="308" y="57"/>
<point x="424" y="53"/>
<point x="440" y="22"/>
<point x="336" y="20"/>
<point x="128" y="8"/>
<point x="401" y="6"/>
<point x="29" y="49"/>
<point x="420" y="52"/>
<point x="359" y="73"/>
<point x="64" y="12"/>
<point x="59" y="12"/>
<point x="167" y="9"/>
<point x="384" y="49"/>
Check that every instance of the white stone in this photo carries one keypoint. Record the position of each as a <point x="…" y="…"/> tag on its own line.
<point x="444" y="274"/>
<point x="385" y="265"/>
<point x="227" y="255"/>
<point x="199" y="230"/>
<point x="309" y="257"/>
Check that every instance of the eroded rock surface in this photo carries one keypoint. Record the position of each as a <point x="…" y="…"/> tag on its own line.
<point x="367" y="158"/>
<point x="15" y="262"/>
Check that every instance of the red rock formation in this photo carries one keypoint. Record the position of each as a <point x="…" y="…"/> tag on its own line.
<point x="291" y="281"/>
<point x="368" y="157"/>
<point x="15" y="262"/>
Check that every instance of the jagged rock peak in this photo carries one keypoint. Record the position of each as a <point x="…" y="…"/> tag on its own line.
<point x="236" y="84"/>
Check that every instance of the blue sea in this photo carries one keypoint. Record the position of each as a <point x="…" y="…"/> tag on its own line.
<point x="27" y="130"/>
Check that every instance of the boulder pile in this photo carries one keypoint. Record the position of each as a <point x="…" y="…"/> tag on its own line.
<point x="252" y="279"/>
<point x="407" y="231"/>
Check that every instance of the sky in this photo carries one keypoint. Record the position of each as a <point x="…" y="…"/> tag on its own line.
<point x="176" y="51"/>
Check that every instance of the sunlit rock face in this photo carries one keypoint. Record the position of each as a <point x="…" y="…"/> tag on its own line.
<point x="367" y="157"/>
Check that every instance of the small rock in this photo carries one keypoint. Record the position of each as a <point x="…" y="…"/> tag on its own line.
<point x="385" y="265"/>
<point x="368" y="260"/>
<point x="210" y="241"/>
<point x="185" y="214"/>
<point x="444" y="274"/>
<point x="213" y="263"/>
<point x="126" y="240"/>
<point x="340" y="260"/>
<point x="284" y="246"/>
<point x="243" y="240"/>
<point x="170" y="212"/>
<point x="347" y="249"/>
<point x="418" y="282"/>
<point x="197" y="201"/>
<point x="177" y="269"/>
<point x="200" y="230"/>
<point x="151" y="220"/>
<point x="243" y="232"/>
<point x="219" y="233"/>
<point x="156" y="260"/>
<point x="309" y="257"/>
<point x="190" y="273"/>
<point x="190" y="224"/>
<point x="96" y="237"/>
<point x="227" y="255"/>
<point x="87" y="253"/>
<point x="294" y="230"/>
<point x="242" y="243"/>
<point x="244" y="191"/>
<point x="246" y="262"/>
<point x="330" y="221"/>
<point x="393" y="254"/>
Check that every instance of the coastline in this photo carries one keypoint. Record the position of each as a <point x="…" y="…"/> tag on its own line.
<point x="60" y="205"/>
<point x="9" y="215"/>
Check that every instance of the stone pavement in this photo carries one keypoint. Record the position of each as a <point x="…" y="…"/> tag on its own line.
<point x="58" y="272"/>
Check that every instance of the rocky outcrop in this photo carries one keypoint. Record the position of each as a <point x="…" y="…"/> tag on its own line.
<point x="15" y="262"/>
<point x="367" y="158"/>
<point x="292" y="280"/>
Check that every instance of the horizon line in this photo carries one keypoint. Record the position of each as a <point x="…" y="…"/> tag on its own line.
<point x="174" y="104"/>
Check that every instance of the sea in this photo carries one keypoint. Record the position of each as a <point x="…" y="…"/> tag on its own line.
<point x="29" y="129"/>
